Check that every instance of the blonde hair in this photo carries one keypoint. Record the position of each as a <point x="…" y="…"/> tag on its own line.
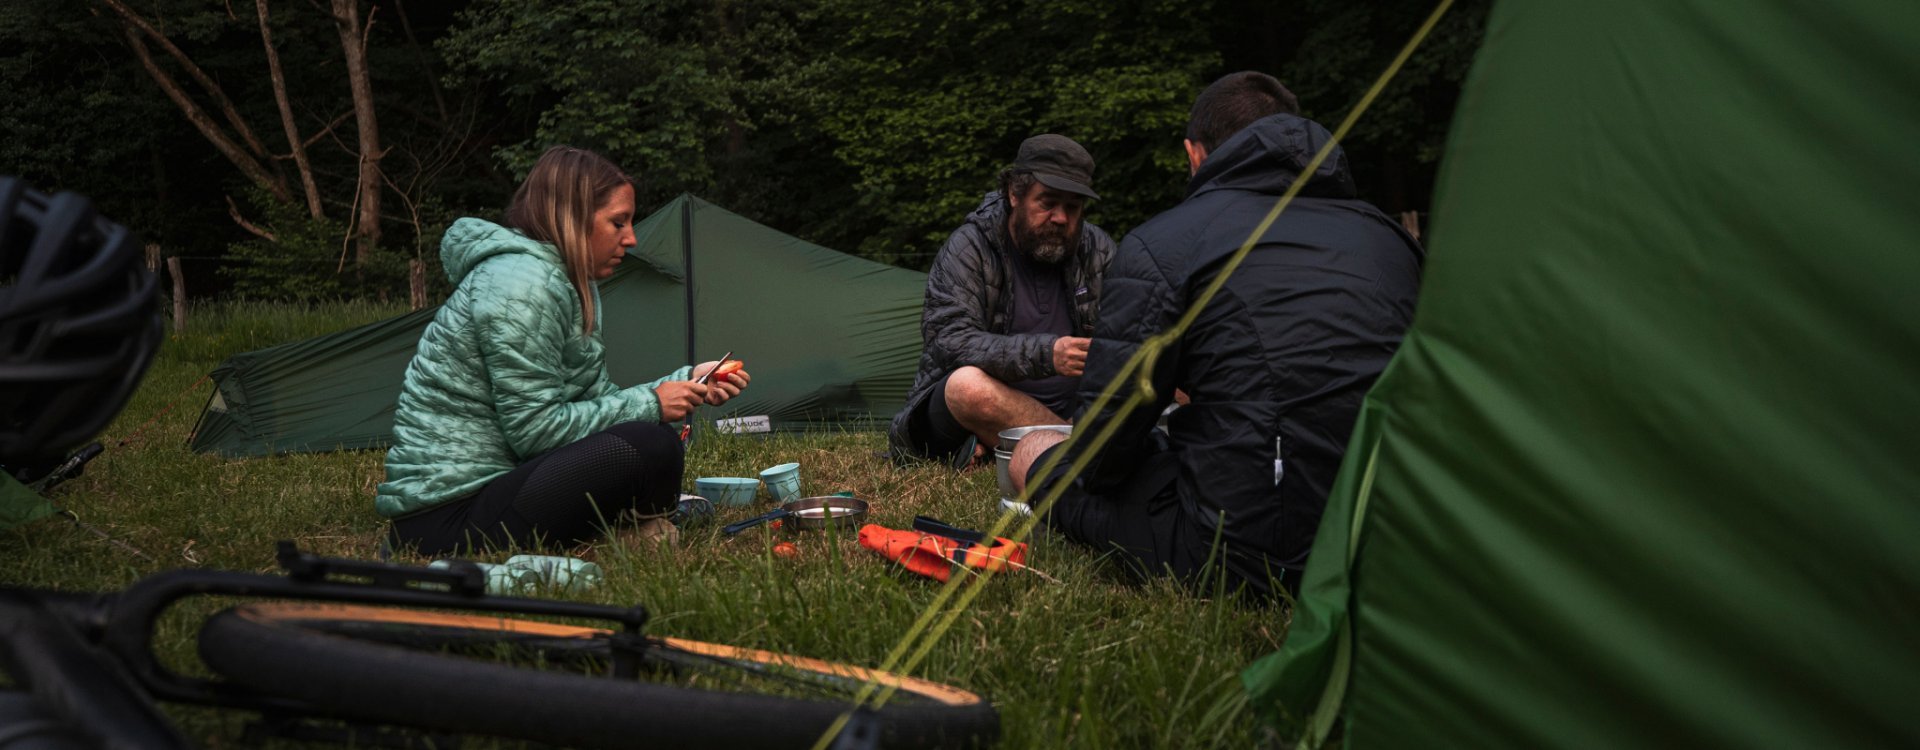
<point x="556" y="204"/>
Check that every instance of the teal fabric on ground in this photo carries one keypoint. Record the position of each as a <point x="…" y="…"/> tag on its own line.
<point x="1643" y="471"/>
<point x="831" y="340"/>
<point x="504" y="373"/>
<point x="19" y="504"/>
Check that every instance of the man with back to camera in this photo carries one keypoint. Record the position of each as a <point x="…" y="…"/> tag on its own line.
<point x="1011" y="300"/>
<point x="1274" y="367"/>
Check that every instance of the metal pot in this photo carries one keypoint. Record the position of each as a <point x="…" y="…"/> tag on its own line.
<point x="807" y="514"/>
<point x="1003" y="455"/>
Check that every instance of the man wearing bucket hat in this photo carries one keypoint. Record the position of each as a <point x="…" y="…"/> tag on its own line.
<point x="1011" y="301"/>
<point x="1275" y="365"/>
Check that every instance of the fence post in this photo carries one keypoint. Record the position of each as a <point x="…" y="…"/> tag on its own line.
<point x="1411" y="220"/>
<point x="179" y="295"/>
<point x="153" y="257"/>
<point x="417" y="282"/>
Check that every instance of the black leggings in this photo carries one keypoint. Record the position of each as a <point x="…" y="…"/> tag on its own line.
<point x="560" y="498"/>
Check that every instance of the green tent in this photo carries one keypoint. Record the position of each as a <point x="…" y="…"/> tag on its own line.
<point x="831" y="339"/>
<point x="1644" y="472"/>
<point x="20" y="504"/>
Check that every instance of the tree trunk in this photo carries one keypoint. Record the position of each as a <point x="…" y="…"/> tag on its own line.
<point x="204" y="123"/>
<point x="417" y="283"/>
<point x="346" y="18"/>
<point x="179" y="294"/>
<point x="299" y="149"/>
<point x="131" y="21"/>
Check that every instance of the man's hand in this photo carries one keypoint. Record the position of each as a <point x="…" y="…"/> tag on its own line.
<point x="722" y="387"/>
<point x="678" y="397"/>
<point x="1070" y="355"/>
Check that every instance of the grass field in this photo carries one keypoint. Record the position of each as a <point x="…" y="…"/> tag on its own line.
<point x="1094" y="661"/>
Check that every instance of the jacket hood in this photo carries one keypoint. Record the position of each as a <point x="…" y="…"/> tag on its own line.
<point x="1268" y="155"/>
<point x="991" y="217"/>
<point x="470" y="241"/>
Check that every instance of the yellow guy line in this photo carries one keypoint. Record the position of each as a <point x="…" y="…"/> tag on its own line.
<point x="1139" y="366"/>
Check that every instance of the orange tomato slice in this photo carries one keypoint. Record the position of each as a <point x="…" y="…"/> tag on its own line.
<point x="727" y="370"/>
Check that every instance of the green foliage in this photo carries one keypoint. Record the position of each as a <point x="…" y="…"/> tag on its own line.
<point x="858" y="124"/>
<point x="1342" y="55"/>
<point x="82" y="114"/>
<point x="888" y="125"/>
<point x="651" y="84"/>
<point x="1405" y="129"/>
<point x="77" y="114"/>
<point x="928" y="106"/>
<point x="688" y="96"/>
<point x="308" y="261"/>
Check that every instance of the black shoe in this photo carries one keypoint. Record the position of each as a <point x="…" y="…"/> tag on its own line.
<point x="964" y="458"/>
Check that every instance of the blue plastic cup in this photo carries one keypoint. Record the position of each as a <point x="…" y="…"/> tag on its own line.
<point x="728" y="490"/>
<point x="783" y="482"/>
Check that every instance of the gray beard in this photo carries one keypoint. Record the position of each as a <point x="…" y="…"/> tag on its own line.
<point x="1048" y="252"/>
<point x="1045" y="251"/>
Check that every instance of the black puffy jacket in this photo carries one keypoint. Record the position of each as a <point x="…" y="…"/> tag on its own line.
<point x="1285" y="351"/>
<point x="969" y="309"/>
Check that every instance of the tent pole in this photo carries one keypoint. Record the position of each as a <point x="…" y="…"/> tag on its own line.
<point x="686" y="262"/>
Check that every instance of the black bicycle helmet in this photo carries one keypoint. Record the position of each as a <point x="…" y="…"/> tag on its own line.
<point x="78" y="322"/>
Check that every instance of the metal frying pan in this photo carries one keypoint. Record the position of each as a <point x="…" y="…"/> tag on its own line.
<point x="807" y="514"/>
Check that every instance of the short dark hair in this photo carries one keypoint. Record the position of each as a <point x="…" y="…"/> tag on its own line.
<point x="1016" y="182"/>
<point x="1230" y="104"/>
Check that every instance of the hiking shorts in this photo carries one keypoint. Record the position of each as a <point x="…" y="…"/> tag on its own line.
<point x="935" y="430"/>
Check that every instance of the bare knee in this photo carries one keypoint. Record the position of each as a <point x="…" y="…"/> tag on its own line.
<point x="971" y="391"/>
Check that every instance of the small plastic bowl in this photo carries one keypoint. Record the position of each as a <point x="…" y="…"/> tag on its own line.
<point x="783" y="482"/>
<point x="728" y="490"/>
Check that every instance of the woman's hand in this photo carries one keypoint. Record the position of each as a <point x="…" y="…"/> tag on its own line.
<point x="678" y="397"/>
<point x="723" y="387"/>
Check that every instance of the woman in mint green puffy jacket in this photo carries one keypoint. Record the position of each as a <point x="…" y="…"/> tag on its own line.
<point x="508" y="431"/>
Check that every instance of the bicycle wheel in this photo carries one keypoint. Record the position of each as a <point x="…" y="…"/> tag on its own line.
<point x="536" y="681"/>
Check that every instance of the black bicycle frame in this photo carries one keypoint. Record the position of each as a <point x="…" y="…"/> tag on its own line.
<point x="48" y="638"/>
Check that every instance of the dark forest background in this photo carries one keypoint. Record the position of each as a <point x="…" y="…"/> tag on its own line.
<point x="865" y="126"/>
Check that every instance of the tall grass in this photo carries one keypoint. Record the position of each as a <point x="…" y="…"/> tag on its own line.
<point x="1097" y="660"/>
<point x="220" y="330"/>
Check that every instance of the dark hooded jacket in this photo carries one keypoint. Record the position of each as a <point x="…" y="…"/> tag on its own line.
<point x="969" y="309"/>
<point x="1277" y="362"/>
